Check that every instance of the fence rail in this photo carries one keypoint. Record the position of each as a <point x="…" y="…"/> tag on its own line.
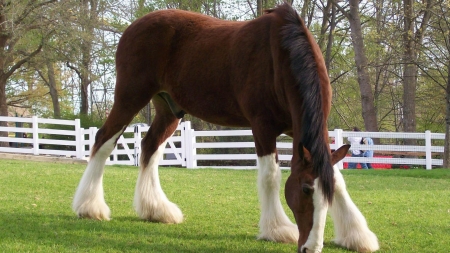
<point x="193" y="149"/>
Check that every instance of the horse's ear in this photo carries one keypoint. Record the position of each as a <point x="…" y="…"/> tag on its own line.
<point x="339" y="154"/>
<point x="303" y="152"/>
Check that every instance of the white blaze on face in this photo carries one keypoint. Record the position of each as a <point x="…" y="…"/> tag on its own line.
<point x="314" y="244"/>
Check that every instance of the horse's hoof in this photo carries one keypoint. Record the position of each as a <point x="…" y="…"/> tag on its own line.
<point x="100" y="212"/>
<point x="285" y="234"/>
<point x="305" y="250"/>
<point x="361" y="242"/>
<point x="166" y="212"/>
<point x="96" y="216"/>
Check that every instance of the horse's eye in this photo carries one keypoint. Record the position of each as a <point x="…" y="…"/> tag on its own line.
<point x="307" y="189"/>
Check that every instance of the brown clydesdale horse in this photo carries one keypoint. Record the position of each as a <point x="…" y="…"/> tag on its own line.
<point x="267" y="74"/>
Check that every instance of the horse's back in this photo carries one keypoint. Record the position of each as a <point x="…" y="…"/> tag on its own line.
<point x="204" y="62"/>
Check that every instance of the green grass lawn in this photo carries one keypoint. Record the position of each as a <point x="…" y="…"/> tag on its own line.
<point x="409" y="210"/>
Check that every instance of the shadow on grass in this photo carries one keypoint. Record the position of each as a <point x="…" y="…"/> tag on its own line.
<point x="69" y="233"/>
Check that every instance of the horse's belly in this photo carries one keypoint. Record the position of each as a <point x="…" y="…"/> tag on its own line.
<point x="217" y="110"/>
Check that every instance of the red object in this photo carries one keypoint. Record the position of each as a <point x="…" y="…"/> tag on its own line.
<point x="377" y="166"/>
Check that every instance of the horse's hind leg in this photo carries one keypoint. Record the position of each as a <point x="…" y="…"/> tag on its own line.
<point x="150" y="202"/>
<point x="89" y="201"/>
<point x="350" y="226"/>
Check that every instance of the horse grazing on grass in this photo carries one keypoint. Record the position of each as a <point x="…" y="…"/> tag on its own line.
<point x="267" y="74"/>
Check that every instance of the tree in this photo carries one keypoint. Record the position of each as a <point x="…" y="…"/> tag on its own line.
<point x="19" y="19"/>
<point x="446" y="162"/>
<point x="367" y="99"/>
<point x="14" y="52"/>
<point x="86" y="21"/>
<point x="436" y="64"/>
<point x="261" y="5"/>
<point x="412" y="40"/>
<point x="50" y="80"/>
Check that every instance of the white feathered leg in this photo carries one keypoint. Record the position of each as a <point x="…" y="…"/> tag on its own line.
<point x="89" y="201"/>
<point x="274" y="224"/>
<point x="350" y="226"/>
<point x="150" y="202"/>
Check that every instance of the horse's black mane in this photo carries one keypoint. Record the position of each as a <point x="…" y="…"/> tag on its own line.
<point x="305" y="71"/>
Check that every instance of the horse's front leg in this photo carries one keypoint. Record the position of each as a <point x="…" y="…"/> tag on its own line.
<point x="274" y="224"/>
<point x="350" y="226"/>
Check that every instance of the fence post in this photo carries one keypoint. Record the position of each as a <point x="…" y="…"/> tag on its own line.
<point x="183" y="143"/>
<point x="92" y="133"/>
<point x="137" y="144"/>
<point x="428" y="149"/>
<point x="34" y="121"/>
<point x="189" y="145"/>
<point x="339" y="141"/>
<point x="193" y="148"/>
<point x="79" y="137"/>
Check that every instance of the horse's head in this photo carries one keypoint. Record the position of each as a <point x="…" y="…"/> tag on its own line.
<point x="303" y="194"/>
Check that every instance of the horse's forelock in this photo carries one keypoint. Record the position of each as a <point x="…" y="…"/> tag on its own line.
<point x="305" y="68"/>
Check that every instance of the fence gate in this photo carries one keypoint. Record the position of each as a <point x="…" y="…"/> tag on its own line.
<point x="174" y="153"/>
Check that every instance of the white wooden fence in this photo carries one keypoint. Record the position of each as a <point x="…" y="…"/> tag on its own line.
<point x="191" y="149"/>
<point x="26" y="136"/>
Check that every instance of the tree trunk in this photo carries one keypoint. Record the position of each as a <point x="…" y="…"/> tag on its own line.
<point x="53" y="90"/>
<point x="3" y="108"/>
<point x="3" y="42"/>
<point x="84" y="106"/>
<point x="379" y="69"/>
<point x="328" y="56"/>
<point x="446" y="163"/>
<point x="305" y="8"/>
<point x="367" y="100"/>
<point x="409" y="73"/>
<point x="324" y="27"/>
<point x="259" y="7"/>
<point x="90" y="9"/>
<point x="3" y="102"/>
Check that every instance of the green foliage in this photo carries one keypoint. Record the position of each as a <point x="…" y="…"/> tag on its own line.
<point x="405" y="208"/>
<point x="382" y="30"/>
<point x="86" y="121"/>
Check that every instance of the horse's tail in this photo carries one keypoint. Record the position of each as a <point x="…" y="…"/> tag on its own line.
<point x="311" y="80"/>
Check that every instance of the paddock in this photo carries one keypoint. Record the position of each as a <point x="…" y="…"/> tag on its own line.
<point x="193" y="148"/>
<point x="407" y="209"/>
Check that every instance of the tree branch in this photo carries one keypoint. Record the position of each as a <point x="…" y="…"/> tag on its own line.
<point x="251" y="8"/>
<point x="43" y="77"/>
<point x="339" y="76"/>
<point x="74" y="69"/>
<point x="109" y="29"/>
<point x="342" y="10"/>
<point x="430" y="76"/>
<point x="24" y="60"/>
<point x="30" y="9"/>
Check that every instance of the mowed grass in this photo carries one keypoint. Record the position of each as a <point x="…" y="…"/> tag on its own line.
<point x="409" y="210"/>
